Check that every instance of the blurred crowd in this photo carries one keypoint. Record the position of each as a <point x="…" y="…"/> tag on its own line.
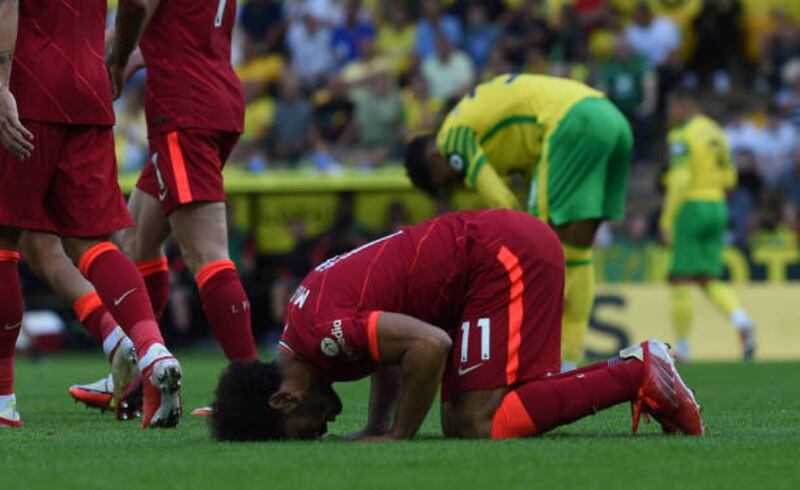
<point x="343" y="83"/>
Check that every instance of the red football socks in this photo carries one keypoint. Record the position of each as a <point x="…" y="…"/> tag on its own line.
<point x="11" y="309"/>
<point x="123" y="292"/>
<point x="98" y="322"/>
<point x="156" y="277"/>
<point x="227" y="309"/>
<point x="541" y="405"/>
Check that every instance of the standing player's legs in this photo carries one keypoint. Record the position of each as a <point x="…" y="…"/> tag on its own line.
<point x="185" y="175"/>
<point x="577" y="239"/>
<point x="46" y="257"/>
<point x="11" y="309"/>
<point x="577" y="186"/>
<point x="85" y="166"/>
<point x="698" y="246"/>
<point x="144" y="244"/>
<point x="202" y="231"/>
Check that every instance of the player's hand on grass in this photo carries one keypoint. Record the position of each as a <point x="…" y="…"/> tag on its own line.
<point x="365" y="433"/>
<point x="373" y="439"/>
<point x="16" y="139"/>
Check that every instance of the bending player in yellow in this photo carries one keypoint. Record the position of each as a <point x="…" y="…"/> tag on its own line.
<point x="694" y="219"/>
<point x="573" y="142"/>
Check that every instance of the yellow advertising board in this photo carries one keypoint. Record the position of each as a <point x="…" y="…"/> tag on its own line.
<point x="627" y="314"/>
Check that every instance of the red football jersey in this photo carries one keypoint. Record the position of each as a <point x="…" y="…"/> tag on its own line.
<point x="59" y="74"/>
<point x="190" y="81"/>
<point x="426" y="271"/>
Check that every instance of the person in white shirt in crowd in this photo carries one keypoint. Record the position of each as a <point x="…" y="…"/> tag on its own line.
<point x="309" y="43"/>
<point x="655" y="38"/>
<point x="741" y="133"/>
<point x="775" y="147"/>
<point x="450" y="72"/>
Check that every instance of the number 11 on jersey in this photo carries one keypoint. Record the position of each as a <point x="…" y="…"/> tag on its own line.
<point x="220" y="13"/>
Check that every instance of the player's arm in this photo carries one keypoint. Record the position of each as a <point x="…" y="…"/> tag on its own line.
<point x="384" y="391"/>
<point x="676" y="181"/>
<point x="462" y="150"/>
<point x="136" y="60"/>
<point x="131" y="16"/>
<point x="420" y="350"/>
<point x="15" y="138"/>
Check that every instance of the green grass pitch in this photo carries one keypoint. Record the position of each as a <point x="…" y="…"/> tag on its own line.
<point x="752" y="413"/>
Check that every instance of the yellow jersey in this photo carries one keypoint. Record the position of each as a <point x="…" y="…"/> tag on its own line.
<point x="701" y="168"/>
<point x="500" y="128"/>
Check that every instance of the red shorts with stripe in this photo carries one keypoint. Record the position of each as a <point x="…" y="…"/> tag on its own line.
<point x="510" y="328"/>
<point x="186" y="166"/>
<point x="68" y="186"/>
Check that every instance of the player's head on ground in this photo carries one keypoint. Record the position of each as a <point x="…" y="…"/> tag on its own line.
<point x="427" y="168"/>
<point x="682" y="105"/>
<point x="284" y="399"/>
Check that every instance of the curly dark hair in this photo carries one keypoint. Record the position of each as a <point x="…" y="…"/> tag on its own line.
<point x="241" y="411"/>
<point x="417" y="166"/>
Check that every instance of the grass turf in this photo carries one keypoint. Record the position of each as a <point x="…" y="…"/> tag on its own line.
<point x="752" y="412"/>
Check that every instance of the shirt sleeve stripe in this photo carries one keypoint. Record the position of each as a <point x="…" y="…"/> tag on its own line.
<point x="476" y="168"/>
<point x="372" y="335"/>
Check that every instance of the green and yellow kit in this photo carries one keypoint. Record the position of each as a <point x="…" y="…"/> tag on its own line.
<point x="695" y="215"/>
<point x="569" y="137"/>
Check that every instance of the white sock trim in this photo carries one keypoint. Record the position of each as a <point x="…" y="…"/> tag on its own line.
<point x="155" y="352"/>
<point x="111" y="341"/>
<point x="741" y="320"/>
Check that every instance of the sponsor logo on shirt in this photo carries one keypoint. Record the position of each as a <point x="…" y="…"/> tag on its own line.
<point x="338" y="334"/>
<point x="329" y="347"/>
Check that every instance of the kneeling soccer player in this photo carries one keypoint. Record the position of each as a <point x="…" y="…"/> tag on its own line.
<point x="489" y="284"/>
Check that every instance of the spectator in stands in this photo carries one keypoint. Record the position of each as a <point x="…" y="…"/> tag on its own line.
<point x="789" y="185"/>
<point x="779" y="48"/>
<point x="743" y="200"/>
<point x="347" y="37"/>
<point x="327" y="12"/>
<point x="631" y="84"/>
<point x="332" y="126"/>
<point x="776" y="144"/>
<point x="655" y="38"/>
<point x="258" y="116"/>
<point x="396" y="37"/>
<point x="523" y="29"/>
<point x="309" y="43"/>
<point x="719" y="51"/>
<point x="434" y="24"/>
<point x="131" y="130"/>
<point x="368" y="63"/>
<point x="264" y="26"/>
<point x="788" y="99"/>
<point x="480" y="34"/>
<point x="379" y="121"/>
<point x="741" y="133"/>
<point x="422" y="112"/>
<point x="450" y="72"/>
<point x="569" y="38"/>
<point x="292" y="122"/>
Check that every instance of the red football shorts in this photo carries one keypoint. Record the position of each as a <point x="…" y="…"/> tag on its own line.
<point x="186" y="166"/>
<point x="68" y="186"/>
<point x="510" y="328"/>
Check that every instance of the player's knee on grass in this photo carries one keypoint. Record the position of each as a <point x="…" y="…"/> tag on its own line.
<point x="240" y="408"/>
<point x="472" y="413"/>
